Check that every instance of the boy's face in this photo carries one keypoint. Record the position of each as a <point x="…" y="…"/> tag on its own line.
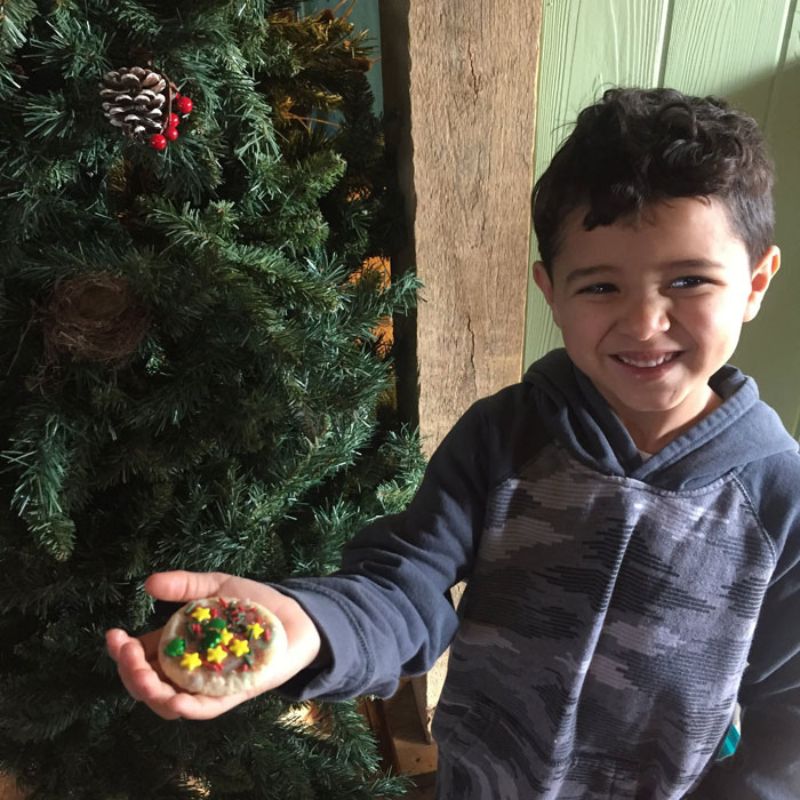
<point x="649" y="310"/>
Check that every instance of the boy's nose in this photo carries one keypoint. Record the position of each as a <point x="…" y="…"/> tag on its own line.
<point x="644" y="317"/>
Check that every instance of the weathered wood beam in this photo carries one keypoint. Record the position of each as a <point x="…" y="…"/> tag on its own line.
<point x="459" y="94"/>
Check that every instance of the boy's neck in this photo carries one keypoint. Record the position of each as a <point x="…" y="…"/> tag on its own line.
<point x="653" y="432"/>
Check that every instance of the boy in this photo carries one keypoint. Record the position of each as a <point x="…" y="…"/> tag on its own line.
<point x="625" y="516"/>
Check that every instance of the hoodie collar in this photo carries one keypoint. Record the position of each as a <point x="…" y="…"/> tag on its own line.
<point x="743" y="429"/>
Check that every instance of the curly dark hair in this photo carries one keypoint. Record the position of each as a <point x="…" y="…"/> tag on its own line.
<point x="639" y="146"/>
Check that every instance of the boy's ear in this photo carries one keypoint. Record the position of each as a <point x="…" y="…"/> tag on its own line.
<point x="544" y="283"/>
<point x="760" y="279"/>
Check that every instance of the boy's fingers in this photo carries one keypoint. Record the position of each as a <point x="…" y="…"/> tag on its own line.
<point x="138" y="676"/>
<point x="143" y="682"/>
<point x="115" y="639"/>
<point x="181" y="585"/>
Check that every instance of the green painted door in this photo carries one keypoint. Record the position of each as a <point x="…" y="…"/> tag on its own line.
<point x="747" y="51"/>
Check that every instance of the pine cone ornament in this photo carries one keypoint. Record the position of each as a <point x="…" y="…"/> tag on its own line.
<point x="136" y="100"/>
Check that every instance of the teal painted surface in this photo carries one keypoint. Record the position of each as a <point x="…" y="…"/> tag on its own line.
<point x="366" y="16"/>
<point x="745" y="50"/>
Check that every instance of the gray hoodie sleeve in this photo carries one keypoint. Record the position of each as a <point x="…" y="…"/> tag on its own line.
<point x="387" y="612"/>
<point x="766" y="765"/>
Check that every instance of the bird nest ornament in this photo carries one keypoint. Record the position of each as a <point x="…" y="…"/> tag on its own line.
<point x="94" y="318"/>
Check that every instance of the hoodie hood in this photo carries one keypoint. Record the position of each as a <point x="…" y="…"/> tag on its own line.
<point x="578" y="416"/>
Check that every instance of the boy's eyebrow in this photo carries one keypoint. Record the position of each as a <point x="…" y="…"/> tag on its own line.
<point x="585" y="272"/>
<point x="684" y="263"/>
<point x="695" y="263"/>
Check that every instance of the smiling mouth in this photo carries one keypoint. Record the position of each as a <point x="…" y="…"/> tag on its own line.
<point x="643" y="361"/>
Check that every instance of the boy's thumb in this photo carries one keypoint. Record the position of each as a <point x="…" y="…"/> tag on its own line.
<point x="181" y="586"/>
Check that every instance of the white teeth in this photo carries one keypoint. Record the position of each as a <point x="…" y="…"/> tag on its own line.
<point x="647" y="362"/>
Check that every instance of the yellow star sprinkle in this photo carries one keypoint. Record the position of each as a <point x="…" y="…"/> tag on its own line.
<point x="216" y="655"/>
<point x="240" y="647"/>
<point x="191" y="661"/>
<point x="255" y="630"/>
<point x="226" y="636"/>
<point x="201" y="613"/>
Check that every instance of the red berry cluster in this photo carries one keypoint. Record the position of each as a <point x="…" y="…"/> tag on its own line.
<point x="159" y="141"/>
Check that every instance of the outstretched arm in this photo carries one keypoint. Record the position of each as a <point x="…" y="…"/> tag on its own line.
<point x="385" y="614"/>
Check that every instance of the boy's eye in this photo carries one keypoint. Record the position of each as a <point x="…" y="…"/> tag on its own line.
<point x="598" y="288"/>
<point x="688" y="282"/>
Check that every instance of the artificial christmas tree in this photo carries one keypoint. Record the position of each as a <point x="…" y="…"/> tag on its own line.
<point x="190" y="371"/>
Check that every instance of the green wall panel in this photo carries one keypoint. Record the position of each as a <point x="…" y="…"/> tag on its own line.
<point x="726" y="47"/>
<point x="770" y="346"/>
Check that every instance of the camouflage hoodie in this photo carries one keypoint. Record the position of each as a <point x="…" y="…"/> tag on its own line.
<point x="616" y="609"/>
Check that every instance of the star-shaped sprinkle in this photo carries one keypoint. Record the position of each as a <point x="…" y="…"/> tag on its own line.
<point x="240" y="647"/>
<point x="216" y="655"/>
<point x="226" y="636"/>
<point x="255" y="630"/>
<point x="201" y="613"/>
<point x="191" y="661"/>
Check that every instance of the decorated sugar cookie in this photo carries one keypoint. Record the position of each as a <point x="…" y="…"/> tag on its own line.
<point x="220" y="645"/>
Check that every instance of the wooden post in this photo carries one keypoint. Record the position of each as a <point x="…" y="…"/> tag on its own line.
<point x="459" y="95"/>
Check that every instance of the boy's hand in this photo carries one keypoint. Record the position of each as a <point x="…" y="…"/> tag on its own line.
<point x="137" y="658"/>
